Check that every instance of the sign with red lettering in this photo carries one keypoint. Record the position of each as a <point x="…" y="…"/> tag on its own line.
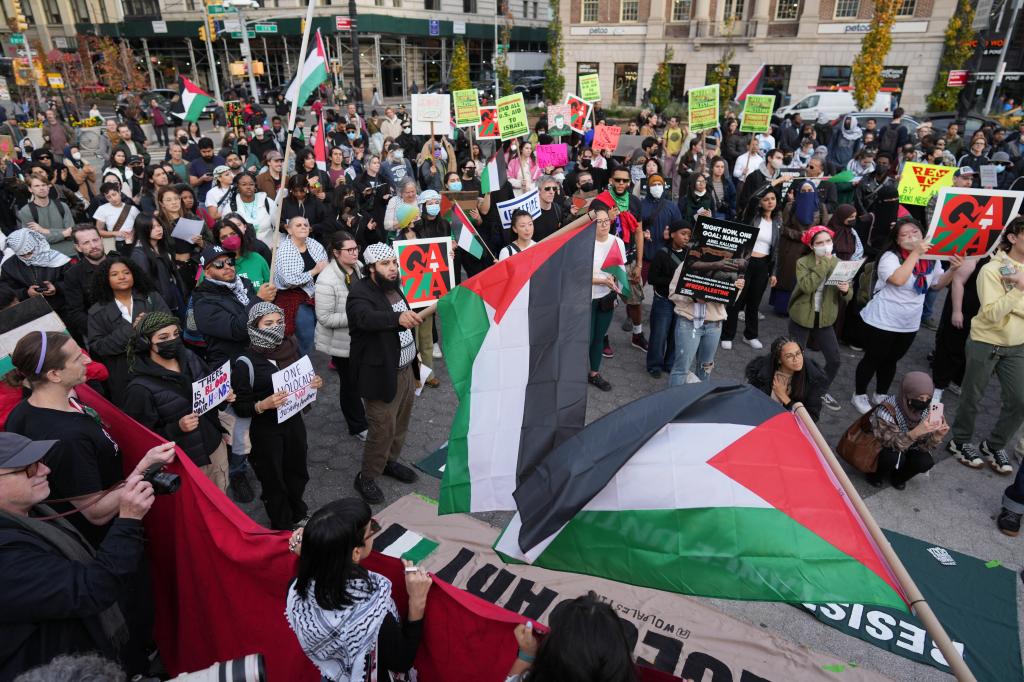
<point x="967" y="222"/>
<point x="211" y="390"/>
<point x="606" y="137"/>
<point x="957" y="78"/>
<point x="426" y="267"/>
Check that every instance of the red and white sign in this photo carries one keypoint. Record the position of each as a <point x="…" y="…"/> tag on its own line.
<point x="956" y="79"/>
<point x="343" y="23"/>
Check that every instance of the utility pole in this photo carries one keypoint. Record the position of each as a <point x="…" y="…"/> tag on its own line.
<point x="997" y="79"/>
<point x="209" y="53"/>
<point x="240" y="5"/>
<point x="357" y="79"/>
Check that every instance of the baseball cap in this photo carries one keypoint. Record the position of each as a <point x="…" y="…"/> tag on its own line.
<point x="211" y="254"/>
<point x="963" y="170"/>
<point x="220" y="169"/>
<point x="17" y="451"/>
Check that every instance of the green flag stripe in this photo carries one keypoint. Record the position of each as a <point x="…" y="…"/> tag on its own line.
<point x="420" y="551"/>
<point x="619" y="273"/>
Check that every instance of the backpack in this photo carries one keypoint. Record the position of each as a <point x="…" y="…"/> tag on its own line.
<point x="34" y="209"/>
<point x="889" y="138"/>
<point x="867" y="281"/>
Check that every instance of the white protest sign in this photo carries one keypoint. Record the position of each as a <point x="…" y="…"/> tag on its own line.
<point x="212" y="390"/>
<point x="431" y="114"/>
<point x="529" y="202"/>
<point x="296" y="379"/>
<point x="844" y="271"/>
<point x="990" y="175"/>
<point x="186" y="228"/>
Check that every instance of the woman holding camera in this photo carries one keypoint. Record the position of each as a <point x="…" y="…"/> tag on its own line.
<point x="343" y="615"/>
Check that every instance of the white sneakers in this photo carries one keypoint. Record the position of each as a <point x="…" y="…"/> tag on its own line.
<point x="877" y="398"/>
<point x="437" y="352"/>
<point x="754" y="343"/>
<point x="861" y="403"/>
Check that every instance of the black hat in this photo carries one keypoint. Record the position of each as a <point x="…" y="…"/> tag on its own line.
<point x="17" y="451"/>
<point x="211" y="254"/>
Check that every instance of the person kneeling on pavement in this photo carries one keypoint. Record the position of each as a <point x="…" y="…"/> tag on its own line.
<point x="907" y="434"/>
<point x="788" y="378"/>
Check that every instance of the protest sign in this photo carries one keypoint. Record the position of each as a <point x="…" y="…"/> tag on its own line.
<point x="296" y="379"/>
<point x="590" y="87"/>
<point x="426" y="268"/>
<point x="211" y="390"/>
<point x="844" y="271"/>
<point x="488" y="128"/>
<point x="512" y="116"/>
<point x="558" y="120"/>
<point x="757" y="113"/>
<point x="6" y="146"/>
<point x="967" y="222"/>
<point x="579" y="112"/>
<point x="431" y="114"/>
<point x="702" y="108"/>
<point x="606" y="137"/>
<point x="627" y="144"/>
<point x="529" y="202"/>
<point x="552" y="155"/>
<point x="716" y="259"/>
<point x="989" y="175"/>
<point x="919" y="181"/>
<point x="467" y="107"/>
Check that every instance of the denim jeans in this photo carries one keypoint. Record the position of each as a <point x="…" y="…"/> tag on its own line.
<point x="661" y="348"/>
<point x="692" y="343"/>
<point x="305" y="326"/>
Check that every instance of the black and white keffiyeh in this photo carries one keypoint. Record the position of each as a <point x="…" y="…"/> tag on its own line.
<point x="340" y="642"/>
<point x="290" y="271"/>
<point x="26" y="242"/>
<point x="237" y="287"/>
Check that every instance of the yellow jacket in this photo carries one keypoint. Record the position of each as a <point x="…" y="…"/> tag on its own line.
<point x="1000" y="321"/>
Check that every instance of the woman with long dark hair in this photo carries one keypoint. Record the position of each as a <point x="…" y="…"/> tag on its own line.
<point x="373" y="189"/>
<point x="152" y="253"/>
<point x="248" y="263"/>
<point x="118" y="165"/>
<point x="255" y="207"/>
<point x="249" y="235"/>
<point x="722" y="189"/>
<point x="319" y="182"/>
<point x="788" y="377"/>
<point x="760" y="273"/>
<point x="343" y="615"/>
<point x="155" y="177"/>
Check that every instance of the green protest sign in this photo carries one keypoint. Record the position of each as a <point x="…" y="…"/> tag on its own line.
<point x="467" y="107"/>
<point x="512" y="116"/>
<point x="702" y="107"/>
<point x="590" y="87"/>
<point x="757" y="113"/>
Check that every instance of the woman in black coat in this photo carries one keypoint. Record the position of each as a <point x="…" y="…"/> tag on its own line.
<point x="787" y="377"/>
<point x="153" y="254"/>
<point x="301" y="202"/>
<point x="122" y="292"/>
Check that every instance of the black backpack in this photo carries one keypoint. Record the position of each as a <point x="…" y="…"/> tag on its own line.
<point x="889" y="139"/>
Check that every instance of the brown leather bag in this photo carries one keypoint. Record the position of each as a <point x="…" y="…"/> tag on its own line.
<point x="859" y="446"/>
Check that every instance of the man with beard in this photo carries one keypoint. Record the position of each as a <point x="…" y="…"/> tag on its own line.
<point x="78" y="280"/>
<point x="384" y="367"/>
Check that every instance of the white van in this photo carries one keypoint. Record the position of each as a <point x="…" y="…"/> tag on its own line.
<point x="832" y="103"/>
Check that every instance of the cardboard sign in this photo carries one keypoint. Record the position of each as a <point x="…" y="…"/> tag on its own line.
<point x="702" y="108"/>
<point x="757" y="113"/>
<point x="528" y="202"/>
<point x="967" y="222"/>
<point x="558" y="120"/>
<point x="720" y="247"/>
<point x="488" y="128"/>
<point x="467" y="201"/>
<point x="467" y="107"/>
<point x="989" y="175"/>
<point x="431" y="114"/>
<point x="606" y="137"/>
<point x="590" y="87"/>
<point x="211" y="390"/>
<point x="6" y="146"/>
<point x="426" y="268"/>
<point x="296" y="379"/>
<point x="512" y="116"/>
<point x="555" y="155"/>
<point x="579" y="112"/>
<point x="920" y="181"/>
<point x="844" y="271"/>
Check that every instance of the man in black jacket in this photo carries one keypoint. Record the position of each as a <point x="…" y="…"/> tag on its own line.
<point x="384" y="367"/>
<point x="57" y="594"/>
<point x="78" y="280"/>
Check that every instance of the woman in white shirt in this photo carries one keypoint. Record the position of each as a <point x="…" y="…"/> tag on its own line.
<point x="222" y="181"/>
<point x="604" y="289"/>
<point x="759" y="275"/>
<point x="522" y="228"/>
<point x="893" y="315"/>
<point x="255" y="207"/>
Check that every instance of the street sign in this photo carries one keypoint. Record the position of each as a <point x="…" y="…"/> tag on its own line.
<point x="159" y="27"/>
<point x="459" y="28"/>
<point x="215" y="9"/>
<point x="956" y="79"/>
<point x="343" y="24"/>
<point x="266" y="28"/>
<point x="435" y="27"/>
<point x="238" y="34"/>
<point x="17" y="39"/>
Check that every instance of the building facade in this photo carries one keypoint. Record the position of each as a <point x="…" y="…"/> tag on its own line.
<point x="803" y="44"/>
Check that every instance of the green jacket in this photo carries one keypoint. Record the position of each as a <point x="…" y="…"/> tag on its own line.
<point x="809" y="275"/>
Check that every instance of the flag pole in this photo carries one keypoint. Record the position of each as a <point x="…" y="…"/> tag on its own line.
<point x="279" y="199"/>
<point x="917" y="601"/>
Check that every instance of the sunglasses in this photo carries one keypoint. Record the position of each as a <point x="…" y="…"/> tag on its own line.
<point x="621" y="181"/>
<point x="29" y="471"/>
<point x="221" y="264"/>
<point x="549" y="189"/>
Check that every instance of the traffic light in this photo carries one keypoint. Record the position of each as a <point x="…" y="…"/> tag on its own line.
<point x="202" y="33"/>
<point x="302" y="26"/>
<point x="211" y="26"/>
<point x="21" y="24"/>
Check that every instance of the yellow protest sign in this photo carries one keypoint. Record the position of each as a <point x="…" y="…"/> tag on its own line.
<point x="590" y="87"/>
<point x="467" y="107"/>
<point x="920" y="181"/>
<point x="55" y="81"/>
<point x="512" y="116"/>
<point x="702" y="107"/>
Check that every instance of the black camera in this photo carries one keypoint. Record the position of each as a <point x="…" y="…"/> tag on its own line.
<point x="163" y="483"/>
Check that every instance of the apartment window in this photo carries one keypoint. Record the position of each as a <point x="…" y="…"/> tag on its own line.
<point x="432" y="5"/>
<point x="906" y="8"/>
<point x="847" y="8"/>
<point x="26" y="9"/>
<point x="677" y="81"/>
<point x="776" y="81"/>
<point x="535" y="10"/>
<point x="630" y="10"/>
<point x="396" y="3"/>
<point x="135" y="8"/>
<point x="468" y="6"/>
<point x="787" y="9"/>
<point x="589" y="10"/>
<point x="499" y="8"/>
<point x="831" y="76"/>
<point x="681" y="10"/>
<point x="81" y="10"/>
<point x="626" y="76"/>
<point x="733" y="9"/>
<point x="53" y="12"/>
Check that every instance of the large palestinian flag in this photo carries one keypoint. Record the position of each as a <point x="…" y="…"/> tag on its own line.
<point x="193" y="100"/>
<point x="705" y="489"/>
<point x="516" y="338"/>
<point x="311" y="74"/>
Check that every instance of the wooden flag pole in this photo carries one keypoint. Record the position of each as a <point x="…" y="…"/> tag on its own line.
<point x="917" y="601"/>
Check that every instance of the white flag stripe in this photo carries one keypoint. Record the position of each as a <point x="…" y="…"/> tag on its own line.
<point x="402" y="544"/>
<point x="465" y="239"/>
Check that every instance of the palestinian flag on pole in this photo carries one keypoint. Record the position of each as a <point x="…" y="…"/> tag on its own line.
<point x="313" y="73"/>
<point x="193" y="100"/>
<point x="712" y="490"/>
<point x="320" y="145"/>
<point x="516" y="339"/>
<point x="615" y="265"/>
<point x="495" y="173"/>
<point x="465" y="235"/>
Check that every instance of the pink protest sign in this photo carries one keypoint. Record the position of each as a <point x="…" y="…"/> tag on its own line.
<point x="552" y="155"/>
<point x="606" y="137"/>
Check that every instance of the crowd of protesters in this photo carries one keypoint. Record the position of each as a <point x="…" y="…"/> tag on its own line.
<point x="239" y="246"/>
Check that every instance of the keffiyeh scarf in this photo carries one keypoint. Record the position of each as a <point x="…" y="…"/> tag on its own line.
<point x="26" y="241"/>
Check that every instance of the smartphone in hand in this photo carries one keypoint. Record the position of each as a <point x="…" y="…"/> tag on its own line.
<point x="936" y="414"/>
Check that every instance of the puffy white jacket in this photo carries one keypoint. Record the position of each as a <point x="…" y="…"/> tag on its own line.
<point x="331" y="320"/>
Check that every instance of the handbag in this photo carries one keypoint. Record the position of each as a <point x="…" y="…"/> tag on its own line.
<point x="859" y="446"/>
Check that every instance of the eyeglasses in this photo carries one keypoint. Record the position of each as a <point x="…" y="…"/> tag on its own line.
<point x="221" y="264"/>
<point x="354" y="249"/>
<point x="794" y="355"/>
<point x="29" y="471"/>
<point x="549" y="189"/>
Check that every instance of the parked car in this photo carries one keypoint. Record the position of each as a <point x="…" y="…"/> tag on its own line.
<point x="940" y="120"/>
<point x="882" y="118"/>
<point x="832" y="103"/>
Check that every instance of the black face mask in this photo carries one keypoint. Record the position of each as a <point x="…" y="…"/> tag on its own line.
<point x="919" y="405"/>
<point x="584" y="163"/>
<point x="183" y="140"/>
<point x="168" y="349"/>
<point x="587" y="186"/>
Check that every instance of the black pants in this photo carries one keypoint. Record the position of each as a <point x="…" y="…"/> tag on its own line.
<point x="949" y="360"/>
<point x="279" y="459"/>
<point x="348" y="397"/>
<point x="882" y="350"/>
<point x="758" y="272"/>
<point x="825" y="338"/>
<point x="900" y="467"/>
<point x="162" y="137"/>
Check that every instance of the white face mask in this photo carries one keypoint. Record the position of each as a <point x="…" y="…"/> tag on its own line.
<point x="822" y="250"/>
<point x="398" y="153"/>
<point x="77" y="156"/>
<point x="657" y="191"/>
<point x="560" y="177"/>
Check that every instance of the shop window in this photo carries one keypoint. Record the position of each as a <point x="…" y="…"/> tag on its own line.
<point x="787" y="10"/>
<point x="776" y="81"/>
<point x="626" y="76"/>
<point x="677" y="81"/>
<point x="831" y="76"/>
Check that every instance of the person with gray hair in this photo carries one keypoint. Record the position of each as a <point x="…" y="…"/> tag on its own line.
<point x="552" y="211"/>
<point x="78" y="668"/>
<point x="407" y="194"/>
